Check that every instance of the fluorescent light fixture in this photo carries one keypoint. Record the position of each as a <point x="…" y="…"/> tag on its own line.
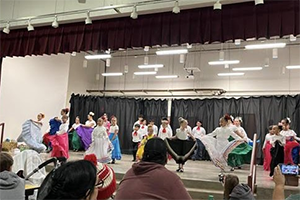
<point x="98" y="56"/>
<point x="231" y="74"/>
<point x="113" y="74"/>
<point x="144" y="73"/>
<point x="151" y="66"/>
<point x="224" y="62"/>
<point x="172" y="52"/>
<point x="293" y="67"/>
<point x="166" y="76"/>
<point x="247" y="69"/>
<point x="265" y="46"/>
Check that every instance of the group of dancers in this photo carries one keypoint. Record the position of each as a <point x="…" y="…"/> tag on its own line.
<point x="280" y="146"/>
<point x="228" y="145"/>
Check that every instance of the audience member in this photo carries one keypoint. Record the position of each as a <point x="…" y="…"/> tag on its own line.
<point x="11" y="185"/>
<point x="233" y="190"/>
<point x="149" y="179"/>
<point x="73" y="180"/>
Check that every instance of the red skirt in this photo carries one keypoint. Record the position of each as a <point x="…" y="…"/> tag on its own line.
<point x="288" y="159"/>
<point x="267" y="156"/>
<point x="60" y="145"/>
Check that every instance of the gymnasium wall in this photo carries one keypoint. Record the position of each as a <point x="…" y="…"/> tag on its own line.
<point x="31" y="85"/>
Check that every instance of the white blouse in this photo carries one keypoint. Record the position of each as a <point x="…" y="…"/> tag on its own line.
<point x="63" y="128"/>
<point x="182" y="134"/>
<point x="267" y="138"/>
<point x="198" y="133"/>
<point x="165" y="135"/>
<point x="89" y="123"/>
<point x="279" y="138"/>
<point x="99" y="132"/>
<point x="137" y="137"/>
<point x="113" y="129"/>
<point x="75" y="126"/>
<point x="288" y="134"/>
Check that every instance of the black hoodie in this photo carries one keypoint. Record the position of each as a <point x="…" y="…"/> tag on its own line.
<point x="241" y="191"/>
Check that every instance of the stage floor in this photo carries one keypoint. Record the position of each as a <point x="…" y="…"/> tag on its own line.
<point x="194" y="170"/>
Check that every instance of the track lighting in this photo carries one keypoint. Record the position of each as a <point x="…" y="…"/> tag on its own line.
<point x="237" y="42"/>
<point x="134" y="14"/>
<point x="146" y="48"/>
<point x="275" y="53"/>
<point x="30" y="27"/>
<point x="176" y="8"/>
<point x="107" y="63"/>
<point x="218" y="5"/>
<point x="88" y="19"/>
<point x="257" y="2"/>
<point x="126" y="69"/>
<point x="181" y="58"/>
<point x="6" y="29"/>
<point x="293" y="38"/>
<point x="55" y="22"/>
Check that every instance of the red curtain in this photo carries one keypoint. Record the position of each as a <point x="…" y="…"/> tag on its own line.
<point x="200" y="25"/>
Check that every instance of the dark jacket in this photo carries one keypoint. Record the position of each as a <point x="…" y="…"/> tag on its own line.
<point x="148" y="180"/>
<point x="241" y="191"/>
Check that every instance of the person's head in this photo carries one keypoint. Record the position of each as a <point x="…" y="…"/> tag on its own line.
<point x="223" y="121"/>
<point x="91" y="115"/>
<point x="6" y="162"/>
<point x="182" y="122"/>
<point x="64" y="111"/>
<point x="276" y="129"/>
<point x="141" y="117"/>
<point x="105" y="116"/>
<point x="286" y="123"/>
<point x="77" y="120"/>
<point x="137" y="127"/>
<point x="238" y="121"/>
<point x="40" y="116"/>
<point x="151" y="122"/>
<point x="73" y="180"/>
<point x="230" y="181"/>
<point x="150" y="130"/>
<point x="199" y="123"/>
<point x="271" y="130"/>
<point x="100" y="121"/>
<point x="144" y="122"/>
<point x="164" y="122"/>
<point x="114" y="120"/>
<point x="64" y="118"/>
<point x="155" y="151"/>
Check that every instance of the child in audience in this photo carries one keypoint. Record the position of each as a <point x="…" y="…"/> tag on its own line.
<point x="135" y="140"/>
<point x="267" y="149"/>
<point x="234" y="190"/>
<point x="11" y="185"/>
<point x="101" y="145"/>
<point x="277" y="151"/>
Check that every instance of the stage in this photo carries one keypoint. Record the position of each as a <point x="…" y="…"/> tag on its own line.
<point x="201" y="177"/>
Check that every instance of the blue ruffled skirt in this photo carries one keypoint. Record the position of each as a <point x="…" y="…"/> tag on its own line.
<point x="116" y="153"/>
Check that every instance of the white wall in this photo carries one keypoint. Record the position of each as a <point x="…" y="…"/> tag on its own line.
<point x="31" y="85"/>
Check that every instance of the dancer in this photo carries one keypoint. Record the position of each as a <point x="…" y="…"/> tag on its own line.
<point x="218" y="145"/>
<point x="267" y="149"/>
<point x="85" y="131"/>
<point x="136" y="139"/>
<point x="165" y="130"/>
<point x="149" y="136"/>
<point x="139" y="121"/>
<point x="237" y="122"/>
<point x="198" y="132"/>
<point x="179" y="147"/>
<point x="144" y="128"/>
<point x="101" y="145"/>
<point x="60" y="141"/>
<point x="291" y="141"/>
<point x="75" y="139"/>
<point x="277" y="151"/>
<point x="113" y="136"/>
<point x="32" y="135"/>
<point x="155" y="128"/>
<point x="106" y="123"/>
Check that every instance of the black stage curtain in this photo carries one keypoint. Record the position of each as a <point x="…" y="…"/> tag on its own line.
<point x="125" y="109"/>
<point x="199" y="25"/>
<point x="257" y="113"/>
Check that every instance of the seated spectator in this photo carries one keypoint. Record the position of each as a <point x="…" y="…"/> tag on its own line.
<point x="106" y="175"/>
<point x="11" y="185"/>
<point x="73" y="180"/>
<point x="279" y="180"/>
<point x="149" y="179"/>
<point x="233" y="190"/>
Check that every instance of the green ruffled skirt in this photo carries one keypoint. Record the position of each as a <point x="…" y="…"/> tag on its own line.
<point x="76" y="142"/>
<point x="240" y="155"/>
